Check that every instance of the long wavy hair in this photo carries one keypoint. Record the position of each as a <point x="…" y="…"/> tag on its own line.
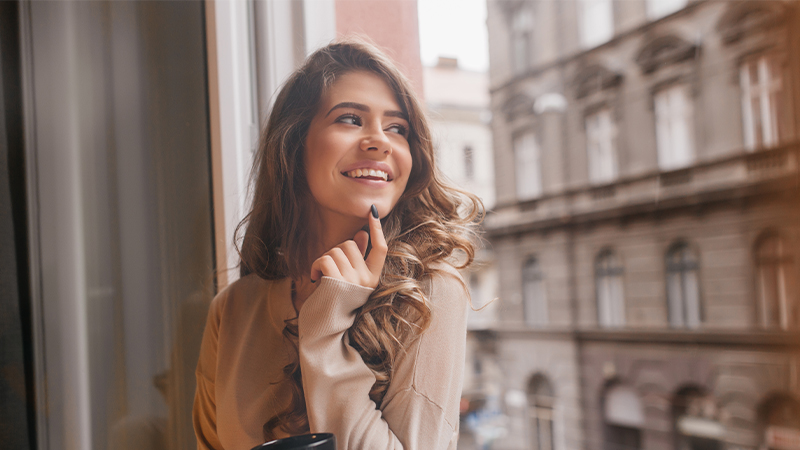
<point x="432" y="221"/>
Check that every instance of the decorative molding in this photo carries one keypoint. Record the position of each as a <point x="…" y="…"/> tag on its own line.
<point x="747" y="18"/>
<point x="594" y="78"/>
<point x="664" y="51"/>
<point x="517" y="105"/>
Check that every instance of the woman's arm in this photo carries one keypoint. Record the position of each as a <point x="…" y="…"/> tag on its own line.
<point x="420" y="409"/>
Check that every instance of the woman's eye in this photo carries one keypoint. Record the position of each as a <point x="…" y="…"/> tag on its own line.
<point x="399" y="129"/>
<point x="350" y="119"/>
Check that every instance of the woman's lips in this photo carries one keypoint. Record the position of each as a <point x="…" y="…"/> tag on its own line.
<point x="371" y="181"/>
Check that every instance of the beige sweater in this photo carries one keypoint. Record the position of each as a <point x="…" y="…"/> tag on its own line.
<point x="240" y="383"/>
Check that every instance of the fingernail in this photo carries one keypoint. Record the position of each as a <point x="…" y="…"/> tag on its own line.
<point x="374" y="211"/>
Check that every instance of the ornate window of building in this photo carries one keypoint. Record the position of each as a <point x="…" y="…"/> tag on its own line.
<point x="657" y="9"/>
<point x="597" y="22"/>
<point x="610" y="298"/>
<point x="760" y="80"/>
<point x="775" y="281"/>
<point x="521" y="35"/>
<point x="534" y="298"/>
<point x="624" y="417"/>
<point x="600" y="146"/>
<point x="683" y="289"/>
<point x="528" y="169"/>
<point x="541" y="401"/>
<point x="674" y="127"/>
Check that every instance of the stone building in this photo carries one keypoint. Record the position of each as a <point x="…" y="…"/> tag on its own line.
<point x="647" y="223"/>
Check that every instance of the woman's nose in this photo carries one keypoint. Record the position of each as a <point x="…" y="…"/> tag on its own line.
<point x="376" y="140"/>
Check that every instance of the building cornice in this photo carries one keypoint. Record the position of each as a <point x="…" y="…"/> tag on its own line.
<point x="764" y="172"/>
<point x="703" y="337"/>
<point x="538" y="70"/>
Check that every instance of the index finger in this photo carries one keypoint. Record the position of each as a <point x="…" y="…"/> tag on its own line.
<point x="377" y="256"/>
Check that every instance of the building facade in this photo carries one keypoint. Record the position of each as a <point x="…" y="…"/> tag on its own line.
<point x="647" y="223"/>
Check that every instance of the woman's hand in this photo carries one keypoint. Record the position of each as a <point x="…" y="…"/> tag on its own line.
<point x="346" y="260"/>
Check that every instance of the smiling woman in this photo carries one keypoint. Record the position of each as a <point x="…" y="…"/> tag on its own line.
<point x="350" y="315"/>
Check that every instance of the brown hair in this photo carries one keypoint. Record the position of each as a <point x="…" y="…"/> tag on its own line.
<point x="430" y="222"/>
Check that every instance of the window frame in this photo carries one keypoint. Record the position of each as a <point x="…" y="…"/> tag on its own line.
<point x="656" y="13"/>
<point x="762" y="128"/>
<point x="521" y="25"/>
<point x="588" y="19"/>
<point x="673" y="121"/>
<point x="602" y="161"/>
<point x="529" y="167"/>
<point x="782" y="263"/>
<point x="682" y="270"/>
<point x="609" y="277"/>
<point x="535" y="309"/>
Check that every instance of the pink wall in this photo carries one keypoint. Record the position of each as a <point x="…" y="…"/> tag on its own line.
<point x="391" y="24"/>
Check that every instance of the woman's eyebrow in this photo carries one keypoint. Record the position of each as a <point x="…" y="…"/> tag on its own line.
<point x="352" y="105"/>
<point x="365" y="108"/>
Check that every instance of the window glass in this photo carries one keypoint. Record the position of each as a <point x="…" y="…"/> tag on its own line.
<point x="597" y="22"/>
<point x="528" y="170"/>
<point x="674" y="127"/>
<point x="541" y="400"/>
<point x="610" y="300"/>
<point x="683" y="290"/>
<point x="657" y="9"/>
<point x="533" y="294"/>
<point x="775" y="283"/>
<point x="600" y="147"/>
<point x="761" y="85"/>
<point x="521" y="32"/>
<point x="469" y="162"/>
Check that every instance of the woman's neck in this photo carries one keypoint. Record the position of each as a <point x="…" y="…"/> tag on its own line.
<point x="336" y="228"/>
<point x="333" y="229"/>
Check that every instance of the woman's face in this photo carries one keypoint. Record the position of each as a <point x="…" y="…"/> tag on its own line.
<point x="356" y="151"/>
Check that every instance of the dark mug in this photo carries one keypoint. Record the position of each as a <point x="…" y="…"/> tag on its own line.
<point x="318" y="441"/>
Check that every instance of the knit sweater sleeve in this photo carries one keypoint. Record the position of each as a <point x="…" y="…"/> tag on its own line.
<point x="420" y="409"/>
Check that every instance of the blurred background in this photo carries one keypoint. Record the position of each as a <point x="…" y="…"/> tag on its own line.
<point x="638" y="160"/>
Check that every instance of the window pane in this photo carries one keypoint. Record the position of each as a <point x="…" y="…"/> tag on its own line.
<point x="600" y="147"/>
<point x="674" y="299"/>
<point x="660" y="8"/>
<point x="527" y="170"/>
<point x="692" y="298"/>
<point x="674" y="127"/>
<point x="597" y="22"/>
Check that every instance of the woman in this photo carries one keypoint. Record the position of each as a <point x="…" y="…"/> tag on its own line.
<point x="349" y="316"/>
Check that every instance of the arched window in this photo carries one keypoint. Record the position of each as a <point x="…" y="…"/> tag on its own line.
<point x="775" y="283"/>
<point x="624" y="418"/>
<point x="683" y="290"/>
<point x="533" y="293"/>
<point x="696" y="420"/>
<point x="541" y="400"/>
<point x="610" y="298"/>
<point x="521" y="34"/>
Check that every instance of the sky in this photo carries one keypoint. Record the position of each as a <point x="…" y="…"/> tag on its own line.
<point x="454" y="28"/>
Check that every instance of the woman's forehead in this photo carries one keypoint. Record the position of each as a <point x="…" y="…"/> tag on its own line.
<point x="362" y="87"/>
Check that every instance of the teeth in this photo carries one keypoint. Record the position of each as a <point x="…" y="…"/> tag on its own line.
<point x="368" y="173"/>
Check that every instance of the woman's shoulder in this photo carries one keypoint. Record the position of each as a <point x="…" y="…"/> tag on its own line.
<point x="446" y="287"/>
<point x="444" y="274"/>
<point x="242" y="291"/>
